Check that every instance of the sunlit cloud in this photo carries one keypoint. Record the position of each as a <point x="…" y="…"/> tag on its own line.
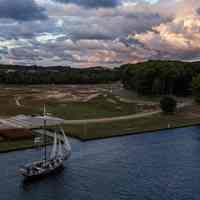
<point x="178" y="39"/>
<point x="84" y="33"/>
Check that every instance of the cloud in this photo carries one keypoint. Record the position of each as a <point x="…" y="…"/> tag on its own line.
<point x="89" y="33"/>
<point x="93" y="3"/>
<point x="177" y="39"/>
<point x="22" y="10"/>
<point x="78" y="36"/>
<point x="28" y="29"/>
<point x="109" y="26"/>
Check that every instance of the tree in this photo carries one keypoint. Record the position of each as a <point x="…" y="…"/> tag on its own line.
<point x="168" y="104"/>
<point x="160" y="77"/>
<point x="57" y="75"/>
<point x="196" y="88"/>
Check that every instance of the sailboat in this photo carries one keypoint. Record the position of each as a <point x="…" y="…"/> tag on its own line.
<point x="60" y="152"/>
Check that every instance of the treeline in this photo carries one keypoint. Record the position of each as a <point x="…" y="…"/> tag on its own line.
<point x="57" y="75"/>
<point x="160" y="77"/>
<point x="32" y="68"/>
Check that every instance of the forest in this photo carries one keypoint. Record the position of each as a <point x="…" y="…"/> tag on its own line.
<point x="56" y="75"/>
<point x="157" y="77"/>
<point x="154" y="77"/>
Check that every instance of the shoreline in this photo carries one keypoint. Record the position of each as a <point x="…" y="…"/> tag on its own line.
<point x="13" y="149"/>
<point x="138" y="132"/>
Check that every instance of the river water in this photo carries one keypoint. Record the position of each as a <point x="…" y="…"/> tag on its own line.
<point x="157" y="166"/>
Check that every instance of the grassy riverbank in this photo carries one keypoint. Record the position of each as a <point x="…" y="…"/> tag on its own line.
<point x="112" y="129"/>
<point x="133" y="126"/>
<point x="14" y="145"/>
<point x="6" y="146"/>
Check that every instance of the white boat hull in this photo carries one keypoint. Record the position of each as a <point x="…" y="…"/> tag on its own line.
<point x="42" y="168"/>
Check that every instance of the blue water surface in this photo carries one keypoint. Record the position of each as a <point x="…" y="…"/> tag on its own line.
<point x="154" y="166"/>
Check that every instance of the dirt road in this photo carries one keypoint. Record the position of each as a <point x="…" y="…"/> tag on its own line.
<point x="127" y="117"/>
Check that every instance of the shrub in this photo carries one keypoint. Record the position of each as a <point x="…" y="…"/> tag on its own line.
<point x="168" y="104"/>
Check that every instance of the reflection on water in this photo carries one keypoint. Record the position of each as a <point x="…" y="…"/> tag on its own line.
<point x="163" y="165"/>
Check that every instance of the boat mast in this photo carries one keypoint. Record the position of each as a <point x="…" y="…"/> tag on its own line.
<point x="45" y="142"/>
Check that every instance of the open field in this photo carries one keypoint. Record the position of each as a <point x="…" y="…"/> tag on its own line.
<point x="85" y="102"/>
<point x="70" y="101"/>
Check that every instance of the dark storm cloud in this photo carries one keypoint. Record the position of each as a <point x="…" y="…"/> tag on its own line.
<point x="24" y="54"/>
<point x="93" y="3"/>
<point x="27" y="29"/>
<point x="91" y="36"/>
<point x="22" y="10"/>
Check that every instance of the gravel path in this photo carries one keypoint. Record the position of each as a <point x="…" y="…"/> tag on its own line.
<point x="127" y="117"/>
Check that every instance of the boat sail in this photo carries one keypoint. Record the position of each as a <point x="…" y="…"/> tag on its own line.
<point x="67" y="147"/>
<point x="60" y="152"/>
<point x="54" y="149"/>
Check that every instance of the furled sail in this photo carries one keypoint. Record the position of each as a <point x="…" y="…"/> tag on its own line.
<point x="54" y="149"/>
<point x="60" y="152"/>
<point x="66" y="146"/>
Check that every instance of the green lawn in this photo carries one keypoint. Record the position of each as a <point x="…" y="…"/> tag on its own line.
<point x="102" y="130"/>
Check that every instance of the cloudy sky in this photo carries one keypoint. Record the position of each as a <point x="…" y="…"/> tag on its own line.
<point x="84" y="33"/>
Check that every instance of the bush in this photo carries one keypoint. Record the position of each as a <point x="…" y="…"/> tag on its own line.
<point x="196" y="88"/>
<point x="168" y="104"/>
